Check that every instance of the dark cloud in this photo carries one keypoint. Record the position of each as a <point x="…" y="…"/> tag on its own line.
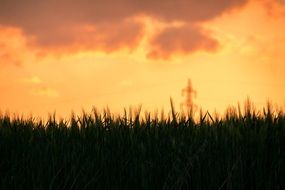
<point x="181" y="40"/>
<point x="102" y="36"/>
<point x="105" y="24"/>
<point x="185" y="10"/>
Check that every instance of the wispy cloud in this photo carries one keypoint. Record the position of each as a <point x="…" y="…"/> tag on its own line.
<point x="31" y="80"/>
<point x="46" y="92"/>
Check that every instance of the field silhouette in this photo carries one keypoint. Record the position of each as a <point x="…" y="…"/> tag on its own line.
<point x="242" y="150"/>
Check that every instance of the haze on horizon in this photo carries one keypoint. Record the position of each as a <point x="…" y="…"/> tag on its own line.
<point x="73" y="54"/>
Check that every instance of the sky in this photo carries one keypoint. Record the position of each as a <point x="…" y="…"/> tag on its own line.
<point x="71" y="55"/>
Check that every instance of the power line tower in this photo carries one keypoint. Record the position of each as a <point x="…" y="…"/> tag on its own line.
<point x="189" y="94"/>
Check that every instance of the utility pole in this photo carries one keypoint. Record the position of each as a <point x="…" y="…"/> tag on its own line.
<point x="189" y="93"/>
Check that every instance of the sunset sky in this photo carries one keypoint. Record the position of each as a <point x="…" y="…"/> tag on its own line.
<point x="75" y="54"/>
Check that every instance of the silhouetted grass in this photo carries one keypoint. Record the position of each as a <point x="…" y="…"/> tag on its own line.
<point x="100" y="151"/>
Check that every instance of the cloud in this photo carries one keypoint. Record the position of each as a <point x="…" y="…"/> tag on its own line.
<point x="32" y="80"/>
<point x="185" y="10"/>
<point x="73" y="25"/>
<point x="181" y="40"/>
<point x="46" y="92"/>
<point x="10" y="59"/>
<point x="275" y="8"/>
<point x="103" y="36"/>
<point x="12" y="50"/>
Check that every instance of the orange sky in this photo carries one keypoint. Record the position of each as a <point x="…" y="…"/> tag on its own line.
<point x="78" y="54"/>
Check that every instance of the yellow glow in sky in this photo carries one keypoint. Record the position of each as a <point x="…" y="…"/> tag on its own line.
<point x="228" y="56"/>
